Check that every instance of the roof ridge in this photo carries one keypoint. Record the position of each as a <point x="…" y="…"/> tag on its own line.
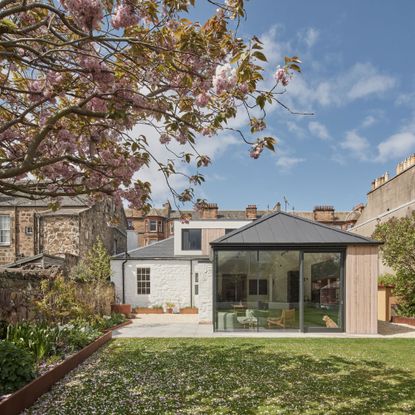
<point x="312" y="222"/>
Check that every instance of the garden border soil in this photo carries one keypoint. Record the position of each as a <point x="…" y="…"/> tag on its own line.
<point x="28" y="394"/>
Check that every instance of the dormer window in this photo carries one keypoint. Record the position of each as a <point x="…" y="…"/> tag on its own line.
<point x="191" y="239"/>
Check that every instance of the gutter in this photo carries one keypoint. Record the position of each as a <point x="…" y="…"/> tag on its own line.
<point x="191" y="283"/>
<point x="16" y="231"/>
<point x="123" y="275"/>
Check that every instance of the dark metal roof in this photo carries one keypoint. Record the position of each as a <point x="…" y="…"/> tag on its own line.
<point x="280" y="228"/>
<point x="159" y="250"/>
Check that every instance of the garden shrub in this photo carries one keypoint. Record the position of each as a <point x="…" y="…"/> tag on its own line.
<point x="59" y="303"/>
<point x="17" y="367"/>
<point x="398" y="250"/>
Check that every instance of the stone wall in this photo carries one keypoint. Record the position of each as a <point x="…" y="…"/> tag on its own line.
<point x="20" y="289"/>
<point x="59" y="235"/>
<point x="104" y="220"/>
<point x="205" y="305"/>
<point x="169" y="282"/>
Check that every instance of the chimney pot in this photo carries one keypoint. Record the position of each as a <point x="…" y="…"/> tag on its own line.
<point x="251" y="212"/>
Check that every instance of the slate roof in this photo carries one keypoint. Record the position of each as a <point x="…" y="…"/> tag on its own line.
<point x="65" y="201"/>
<point x="41" y="259"/>
<point x="280" y="228"/>
<point x="159" y="250"/>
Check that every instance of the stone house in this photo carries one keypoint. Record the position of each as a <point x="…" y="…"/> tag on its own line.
<point x="30" y="227"/>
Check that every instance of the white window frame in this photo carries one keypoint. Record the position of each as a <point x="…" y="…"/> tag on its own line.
<point x="143" y="281"/>
<point x="5" y="228"/>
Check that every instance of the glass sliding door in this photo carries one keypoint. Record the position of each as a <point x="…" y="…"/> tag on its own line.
<point x="323" y="302"/>
<point x="279" y="272"/>
<point x="272" y="290"/>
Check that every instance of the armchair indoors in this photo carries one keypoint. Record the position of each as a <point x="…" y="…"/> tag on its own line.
<point x="287" y="320"/>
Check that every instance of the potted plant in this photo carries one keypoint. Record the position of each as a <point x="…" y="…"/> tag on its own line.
<point x="157" y="308"/>
<point x="170" y="307"/>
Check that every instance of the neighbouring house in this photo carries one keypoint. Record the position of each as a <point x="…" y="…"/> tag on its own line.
<point x="29" y="228"/>
<point x="279" y="272"/>
<point x="158" y="223"/>
<point x="389" y="197"/>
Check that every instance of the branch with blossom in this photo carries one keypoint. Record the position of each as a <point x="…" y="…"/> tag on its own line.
<point x="78" y="75"/>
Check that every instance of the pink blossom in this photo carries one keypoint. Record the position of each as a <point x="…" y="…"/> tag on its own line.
<point x="87" y="13"/>
<point x="124" y="16"/>
<point x="202" y="100"/>
<point x="165" y="138"/>
<point x="282" y="76"/>
<point x="98" y="105"/>
<point x="256" y="149"/>
<point x="224" y="78"/>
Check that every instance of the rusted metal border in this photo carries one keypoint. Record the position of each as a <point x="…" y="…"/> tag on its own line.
<point x="28" y="394"/>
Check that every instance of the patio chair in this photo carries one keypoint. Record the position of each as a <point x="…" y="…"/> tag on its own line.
<point x="286" y="320"/>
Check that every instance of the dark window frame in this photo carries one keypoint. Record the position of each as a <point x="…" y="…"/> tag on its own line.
<point x="188" y="246"/>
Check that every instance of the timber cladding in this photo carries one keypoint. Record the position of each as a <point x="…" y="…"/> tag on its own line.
<point x="361" y="281"/>
<point x="209" y="235"/>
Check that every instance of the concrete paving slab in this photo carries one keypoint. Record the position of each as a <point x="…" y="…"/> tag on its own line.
<point x="187" y="325"/>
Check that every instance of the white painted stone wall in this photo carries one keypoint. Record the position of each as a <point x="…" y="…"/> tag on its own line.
<point x="205" y="300"/>
<point x="169" y="282"/>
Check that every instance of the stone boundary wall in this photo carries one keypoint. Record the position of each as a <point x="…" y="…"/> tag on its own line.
<point x="20" y="289"/>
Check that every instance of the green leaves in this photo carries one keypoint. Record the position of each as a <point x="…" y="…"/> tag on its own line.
<point x="259" y="55"/>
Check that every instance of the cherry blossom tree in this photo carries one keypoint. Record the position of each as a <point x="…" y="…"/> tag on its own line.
<point x="78" y="75"/>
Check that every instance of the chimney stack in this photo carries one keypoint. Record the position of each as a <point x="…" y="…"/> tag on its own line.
<point x="323" y="213"/>
<point x="380" y="180"/>
<point x="278" y="207"/>
<point x="209" y="211"/>
<point x="404" y="165"/>
<point x="251" y="212"/>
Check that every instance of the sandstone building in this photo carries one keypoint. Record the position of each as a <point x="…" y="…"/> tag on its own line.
<point x="158" y="224"/>
<point x="29" y="228"/>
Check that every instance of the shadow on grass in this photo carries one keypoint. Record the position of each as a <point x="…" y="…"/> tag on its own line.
<point x="192" y="377"/>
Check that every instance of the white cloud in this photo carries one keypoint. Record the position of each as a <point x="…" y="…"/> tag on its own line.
<point x="360" y="81"/>
<point x="368" y="121"/>
<point x="310" y="37"/>
<point x="356" y="144"/>
<point x="295" y="129"/>
<point x="318" y="130"/>
<point x="287" y="163"/>
<point x="396" y="146"/>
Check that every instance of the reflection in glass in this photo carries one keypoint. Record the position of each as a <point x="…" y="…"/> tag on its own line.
<point x="257" y="290"/>
<point x="322" y="291"/>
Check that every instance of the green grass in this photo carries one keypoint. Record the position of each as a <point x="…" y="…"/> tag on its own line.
<point x="240" y="376"/>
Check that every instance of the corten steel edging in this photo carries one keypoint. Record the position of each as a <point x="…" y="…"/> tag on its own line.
<point x="118" y="326"/>
<point x="28" y="394"/>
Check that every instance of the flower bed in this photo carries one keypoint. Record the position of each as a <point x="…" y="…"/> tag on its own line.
<point x="148" y="310"/>
<point x="28" y="394"/>
<point x="31" y="350"/>
<point x="189" y="310"/>
<point x="410" y="321"/>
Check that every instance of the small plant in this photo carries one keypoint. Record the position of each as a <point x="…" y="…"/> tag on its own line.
<point x="386" y="279"/>
<point x="157" y="306"/>
<point x="17" y="367"/>
<point x="170" y="307"/>
<point x="40" y="340"/>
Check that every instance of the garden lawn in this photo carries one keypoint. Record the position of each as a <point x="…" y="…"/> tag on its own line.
<point x="240" y="376"/>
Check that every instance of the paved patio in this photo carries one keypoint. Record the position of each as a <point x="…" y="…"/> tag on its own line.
<point x="186" y="325"/>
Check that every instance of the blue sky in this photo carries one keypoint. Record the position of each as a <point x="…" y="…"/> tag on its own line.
<point x="358" y="79"/>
